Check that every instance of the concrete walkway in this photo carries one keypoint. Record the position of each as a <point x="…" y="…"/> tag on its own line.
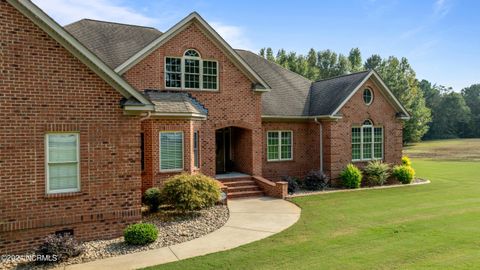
<point x="250" y="220"/>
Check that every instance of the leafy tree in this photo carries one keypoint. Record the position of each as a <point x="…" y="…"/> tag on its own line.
<point x="262" y="52"/>
<point x="343" y="66"/>
<point x="327" y="63"/>
<point x="471" y="96"/>
<point x="355" y="59"/>
<point x="270" y="56"/>
<point x="282" y="58"/>
<point x="452" y="117"/>
<point x="373" y="62"/>
<point x="401" y="79"/>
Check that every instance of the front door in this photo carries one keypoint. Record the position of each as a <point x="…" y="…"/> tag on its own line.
<point x="222" y="151"/>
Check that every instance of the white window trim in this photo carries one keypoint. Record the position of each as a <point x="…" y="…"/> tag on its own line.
<point x="160" y="152"/>
<point x="182" y="71"/>
<point x="280" y="145"/>
<point x="373" y="143"/>
<point x="47" y="158"/>
<point x="371" y="93"/>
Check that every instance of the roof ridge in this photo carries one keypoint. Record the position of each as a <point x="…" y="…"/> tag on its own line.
<point x="110" y="22"/>
<point x="344" y="75"/>
<point x="271" y="62"/>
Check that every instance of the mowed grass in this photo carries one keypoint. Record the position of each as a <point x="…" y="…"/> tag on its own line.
<point x="433" y="226"/>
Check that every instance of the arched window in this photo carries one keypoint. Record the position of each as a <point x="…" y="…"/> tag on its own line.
<point x="367" y="142"/>
<point x="367" y="96"/>
<point x="191" y="72"/>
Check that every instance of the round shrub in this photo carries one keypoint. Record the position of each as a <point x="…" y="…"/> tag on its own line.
<point x="189" y="192"/>
<point x="140" y="234"/>
<point x="316" y="180"/>
<point x="152" y="198"/>
<point x="376" y="172"/>
<point x="404" y="174"/>
<point x="406" y="161"/>
<point x="351" y="176"/>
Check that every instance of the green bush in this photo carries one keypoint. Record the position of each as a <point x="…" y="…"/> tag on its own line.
<point x="406" y="161"/>
<point x="140" y="234"/>
<point x="403" y="173"/>
<point x="316" y="180"/>
<point x="351" y="176"/>
<point x="376" y="172"/>
<point x="188" y="192"/>
<point x="152" y="198"/>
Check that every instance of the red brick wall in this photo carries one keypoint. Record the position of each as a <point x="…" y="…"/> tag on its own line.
<point x="44" y="88"/>
<point x="234" y="104"/>
<point x="337" y="134"/>
<point x="306" y="155"/>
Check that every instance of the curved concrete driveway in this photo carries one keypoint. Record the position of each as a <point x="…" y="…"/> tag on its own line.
<point x="250" y="220"/>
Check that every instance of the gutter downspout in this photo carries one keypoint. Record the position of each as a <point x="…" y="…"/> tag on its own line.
<point x="149" y="114"/>
<point x="321" y="143"/>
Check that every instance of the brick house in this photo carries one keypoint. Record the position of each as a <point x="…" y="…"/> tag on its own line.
<point x="95" y="112"/>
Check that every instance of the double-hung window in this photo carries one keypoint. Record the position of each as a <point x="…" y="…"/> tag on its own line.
<point x="279" y="145"/>
<point x="191" y="72"/>
<point x="62" y="162"/>
<point x="171" y="151"/>
<point x="367" y="142"/>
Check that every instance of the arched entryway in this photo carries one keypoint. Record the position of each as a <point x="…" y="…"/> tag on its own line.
<point x="233" y="150"/>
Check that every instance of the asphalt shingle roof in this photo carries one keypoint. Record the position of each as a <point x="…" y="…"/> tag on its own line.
<point x="175" y="102"/>
<point x="328" y="94"/>
<point x="114" y="43"/>
<point x="291" y="94"/>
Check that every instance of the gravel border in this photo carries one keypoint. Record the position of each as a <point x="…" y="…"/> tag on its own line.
<point x="302" y="193"/>
<point x="180" y="229"/>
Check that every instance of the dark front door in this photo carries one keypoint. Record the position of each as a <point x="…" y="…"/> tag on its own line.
<point x="222" y="145"/>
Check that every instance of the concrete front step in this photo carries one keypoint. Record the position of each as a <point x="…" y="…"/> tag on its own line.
<point x="244" y="194"/>
<point x="240" y="187"/>
<point x="243" y="188"/>
<point x="240" y="183"/>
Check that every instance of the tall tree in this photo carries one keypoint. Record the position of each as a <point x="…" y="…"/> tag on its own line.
<point x="373" y="62"/>
<point x="262" y="52"/>
<point x="452" y="118"/>
<point x="472" y="98"/>
<point x="282" y="58"/>
<point x="401" y="79"/>
<point x="326" y="62"/>
<point x="355" y="59"/>
<point x="343" y="66"/>
<point x="270" y="56"/>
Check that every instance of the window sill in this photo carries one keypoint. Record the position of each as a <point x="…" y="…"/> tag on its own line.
<point x="280" y="160"/>
<point x="62" y="195"/>
<point x="170" y="171"/>
<point x="191" y="89"/>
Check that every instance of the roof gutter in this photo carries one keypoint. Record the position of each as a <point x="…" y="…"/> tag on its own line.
<point x="295" y="117"/>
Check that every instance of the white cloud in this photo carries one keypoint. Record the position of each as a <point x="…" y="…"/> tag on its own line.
<point x="68" y="11"/>
<point x="234" y="35"/>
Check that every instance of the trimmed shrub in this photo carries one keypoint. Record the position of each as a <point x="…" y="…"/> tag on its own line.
<point x="316" y="180"/>
<point x="404" y="174"/>
<point x="376" y="172"/>
<point x="351" y="176"/>
<point x="406" y="161"/>
<point x="293" y="183"/>
<point x="61" y="246"/>
<point x="188" y="192"/>
<point x="140" y="234"/>
<point x="152" y="198"/>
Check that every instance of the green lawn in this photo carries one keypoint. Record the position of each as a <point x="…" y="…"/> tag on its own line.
<point x="419" y="227"/>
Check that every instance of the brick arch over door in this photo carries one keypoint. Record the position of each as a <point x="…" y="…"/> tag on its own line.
<point x="234" y="123"/>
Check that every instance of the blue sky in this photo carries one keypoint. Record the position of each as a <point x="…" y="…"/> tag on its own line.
<point x="441" y="38"/>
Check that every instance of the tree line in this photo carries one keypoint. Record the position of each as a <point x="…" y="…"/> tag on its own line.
<point x="437" y="112"/>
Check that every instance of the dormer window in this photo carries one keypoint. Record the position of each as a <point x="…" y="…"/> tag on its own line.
<point x="191" y="72"/>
